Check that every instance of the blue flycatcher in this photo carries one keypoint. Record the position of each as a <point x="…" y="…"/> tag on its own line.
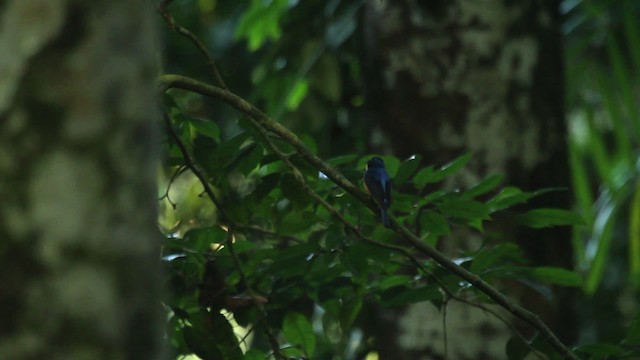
<point x="376" y="181"/>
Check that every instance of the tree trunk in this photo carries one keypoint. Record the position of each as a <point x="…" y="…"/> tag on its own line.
<point x="80" y="274"/>
<point x="450" y="77"/>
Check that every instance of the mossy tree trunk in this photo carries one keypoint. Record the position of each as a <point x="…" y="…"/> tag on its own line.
<point x="80" y="274"/>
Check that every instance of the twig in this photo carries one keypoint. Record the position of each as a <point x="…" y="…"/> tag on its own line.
<point x="162" y="9"/>
<point x="298" y="176"/>
<point x="195" y="169"/>
<point x="176" y="81"/>
<point x="177" y="172"/>
<point x="190" y="163"/>
<point x="268" y="233"/>
<point x="503" y="320"/>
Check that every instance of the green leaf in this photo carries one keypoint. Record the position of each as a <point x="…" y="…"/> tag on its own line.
<point x="600" y="350"/>
<point x="543" y="218"/>
<point x="254" y="354"/>
<point x="206" y="128"/>
<point x="422" y="177"/>
<point x="228" y="150"/>
<point x="508" y="197"/>
<point x="633" y="333"/>
<point x="200" y="239"/>
<point x="207" y="326"/>
<point x="407" y="168"/>
<point x="498" y="256"/>
<point x="311" y="145"/>
<point x="349" y="311"/>
<point x="602" y="237"/>
<point x="433" y="222"/>
<point x="465" y="209"/>
<point x="485" y="186"/>
<point x="429" y="176"/>
<point x="249" y="159"/>
<point x="343" y="159"/>
<point x="432" y="197"/>
<point x="393" y="281"/>
<point x="261" y="22"/>
<point x="402" y="296"/>
<point x="297" y="94"/>
<point x="516" y="349"/>
<point x="298" y="221"/>
<point x="298" y="330"/>
<point x="290" y="261"/>
<point x="558" y="276"/>
<point x="634" y="238"/>
<point x="294" y="192"/>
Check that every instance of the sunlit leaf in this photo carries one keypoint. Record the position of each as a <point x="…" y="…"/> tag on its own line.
<point x="297" y="94"/>
<point x="261" y="22"/>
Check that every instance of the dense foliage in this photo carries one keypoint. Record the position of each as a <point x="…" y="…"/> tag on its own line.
<point x="269" y="256"/>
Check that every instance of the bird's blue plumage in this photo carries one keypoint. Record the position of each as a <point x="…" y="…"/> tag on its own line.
<point x="377" y="182"/>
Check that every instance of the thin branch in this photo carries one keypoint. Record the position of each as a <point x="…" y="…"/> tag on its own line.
<point x="536" y="352"/>
<point x="267" y="233"/>
<point x="299" y="177"/>
<point x="195" y="169"/>
<point x="176" y="81"/>
<point x="166" y="82"/>
<point x="177" y="172"/>
<point x="190" y="163"/>
<point x="162" y="9"/>
<point x="332" y="210"/>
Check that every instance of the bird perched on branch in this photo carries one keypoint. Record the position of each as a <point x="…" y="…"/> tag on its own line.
<point x="376" y="181"/>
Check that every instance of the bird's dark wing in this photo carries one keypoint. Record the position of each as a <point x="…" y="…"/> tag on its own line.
<point x="377" y="182"/>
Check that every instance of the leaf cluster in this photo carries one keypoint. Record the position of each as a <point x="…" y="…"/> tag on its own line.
<point x="287" y="272"/>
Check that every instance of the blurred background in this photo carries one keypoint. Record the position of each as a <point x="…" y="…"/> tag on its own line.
<point x="544" y="94"/>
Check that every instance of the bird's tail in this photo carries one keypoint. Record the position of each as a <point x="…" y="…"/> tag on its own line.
<point x="385" y="217"/>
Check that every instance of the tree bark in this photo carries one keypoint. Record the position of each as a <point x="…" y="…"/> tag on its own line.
<point x="80" y="273"/>
<point x="451" y="77"/>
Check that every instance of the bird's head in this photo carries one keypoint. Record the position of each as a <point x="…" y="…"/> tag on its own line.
<point x="375" y="162"/>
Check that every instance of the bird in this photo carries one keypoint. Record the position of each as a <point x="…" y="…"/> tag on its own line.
<point x="377" y="184"/>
